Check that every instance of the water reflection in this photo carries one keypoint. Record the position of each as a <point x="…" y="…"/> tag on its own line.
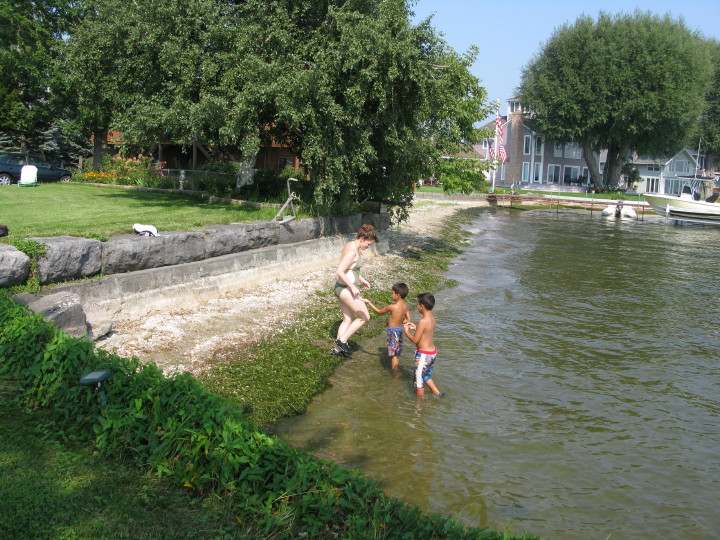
<point x="579" y="360"/>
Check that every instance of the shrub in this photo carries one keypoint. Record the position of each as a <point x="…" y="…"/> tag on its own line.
<point x="139" y="171"/>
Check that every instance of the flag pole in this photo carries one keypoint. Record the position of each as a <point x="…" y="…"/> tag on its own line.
<point x="495" y="166"/>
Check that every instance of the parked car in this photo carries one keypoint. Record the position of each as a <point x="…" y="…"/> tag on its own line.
<point x="12" y="163"/>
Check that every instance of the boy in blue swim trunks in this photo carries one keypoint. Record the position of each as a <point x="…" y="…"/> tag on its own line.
<point x="424" y="339"/>
<point x="399" y="315"/>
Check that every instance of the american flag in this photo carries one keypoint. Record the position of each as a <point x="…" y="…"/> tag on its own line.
<point x="491" y="152"/>
<point x="498" y="126"/>
<point x="501" y="153"/>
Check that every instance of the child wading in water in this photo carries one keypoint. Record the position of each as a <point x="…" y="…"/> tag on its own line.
<point x="423" y="339"/>
<point x="399" y="315"/>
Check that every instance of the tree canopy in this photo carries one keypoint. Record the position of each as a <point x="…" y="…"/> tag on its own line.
<point x="621" y="83"/>
<point x="31" y="112"/>
<point x="708" y="131"/>
<point x="367" y="100"/>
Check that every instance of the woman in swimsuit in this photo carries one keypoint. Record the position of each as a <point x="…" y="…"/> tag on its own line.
<point x="347" y="288"/>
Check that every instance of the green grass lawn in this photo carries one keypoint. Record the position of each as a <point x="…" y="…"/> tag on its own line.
<point x="104" y="211"/>
<point x="53" y="489"/>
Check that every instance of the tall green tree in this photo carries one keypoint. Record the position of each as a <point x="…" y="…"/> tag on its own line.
<point x="139" y="66"/>
<point x="30" y="104"/>
<point x="622" y="83"/>
<point x="708" y="131"/>
<point x="367" y="100"/>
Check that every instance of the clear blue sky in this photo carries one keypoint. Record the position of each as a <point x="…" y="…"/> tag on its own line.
<point x="509" y="34"/>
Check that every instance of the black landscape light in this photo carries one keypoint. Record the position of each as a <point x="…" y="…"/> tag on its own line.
<point x="96" y="378"/>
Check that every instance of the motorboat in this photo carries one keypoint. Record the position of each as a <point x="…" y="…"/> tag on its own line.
<point x="619" y="211"/>
<point x="684" y="208"/>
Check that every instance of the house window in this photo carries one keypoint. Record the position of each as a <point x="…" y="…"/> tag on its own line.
<point x="558" y="150"/>
<point x="585" y="176"/>
<point x="538" y="146"/>
<point x="537" y="173"/>
<point x="673" y="186"/>
<point x="514" y="106"/>
<point x="525" y="171"/>
<point x="526" y="145"/>
<point x="651" y="184"/>
<point x="572" y="174"/>
<point x="653" y="168"/>
<point x="572" y="150"/>
<point x="285" y="162"/>
<point x="680" y="166"/>
<point x="553" y="174"/>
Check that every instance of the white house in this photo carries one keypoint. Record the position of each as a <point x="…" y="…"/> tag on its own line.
<point x="665" y="174"/>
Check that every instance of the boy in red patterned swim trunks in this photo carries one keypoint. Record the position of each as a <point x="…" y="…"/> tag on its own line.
<point x="399" y="315"/>
<point x="423" y="338"/>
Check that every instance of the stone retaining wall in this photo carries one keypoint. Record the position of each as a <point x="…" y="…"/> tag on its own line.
<point x="176" y="269"/>
<point x="70" y="258"/>
<point x="14" y="266"/>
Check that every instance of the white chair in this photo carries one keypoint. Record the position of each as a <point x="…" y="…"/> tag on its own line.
<point x="28" y="176"/>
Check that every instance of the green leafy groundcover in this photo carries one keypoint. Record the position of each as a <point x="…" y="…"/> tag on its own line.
<point x="176" y="428"/>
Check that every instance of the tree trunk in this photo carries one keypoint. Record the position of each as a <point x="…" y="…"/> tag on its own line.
<point x="593" y="165"/>
<point x="710" y="162"/>
<point x="99" y="144"/>
<point x="616" y="159"/>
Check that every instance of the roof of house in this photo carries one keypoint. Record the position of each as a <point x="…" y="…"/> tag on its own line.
<point x="490" y="126"/>
<point x="659" y="160"/>
<point x="469" y="153"/>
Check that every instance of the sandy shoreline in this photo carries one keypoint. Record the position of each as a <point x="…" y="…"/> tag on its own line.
<point x="194" y="340"/>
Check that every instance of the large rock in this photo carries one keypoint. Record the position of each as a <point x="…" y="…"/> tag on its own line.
<point x="237" y="237"/>
<point x="14" y="266"/>
<point x="68" y="257"/>
<point x="182" y="247"/>
<point x="299" y="230"/>
<point x="131" y="252"/>
<point x="64" y="310"/>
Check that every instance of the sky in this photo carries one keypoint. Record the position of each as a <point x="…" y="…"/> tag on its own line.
<point x="509" y="35"/>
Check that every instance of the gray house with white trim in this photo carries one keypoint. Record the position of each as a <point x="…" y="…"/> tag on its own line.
<point x="663" y="174"/>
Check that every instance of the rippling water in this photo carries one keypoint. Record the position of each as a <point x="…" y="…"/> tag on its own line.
<point x="580" y="361"/>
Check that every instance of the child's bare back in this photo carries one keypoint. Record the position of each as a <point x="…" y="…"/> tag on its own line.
<point x="398" y="313"/>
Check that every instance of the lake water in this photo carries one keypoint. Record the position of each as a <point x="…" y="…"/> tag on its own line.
<point x="580" y="361"/>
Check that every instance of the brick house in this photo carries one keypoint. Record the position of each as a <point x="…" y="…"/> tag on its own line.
<point x="532" y="159"/>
